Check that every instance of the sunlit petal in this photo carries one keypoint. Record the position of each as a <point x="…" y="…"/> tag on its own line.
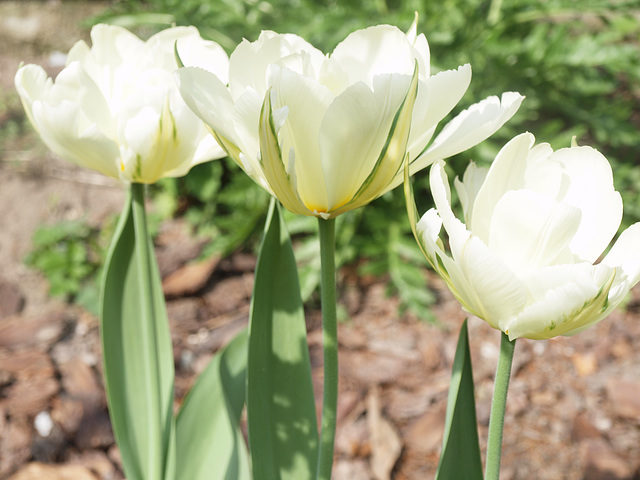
<point x="471" y="127"/>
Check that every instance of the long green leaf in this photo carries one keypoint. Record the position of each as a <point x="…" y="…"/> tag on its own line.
<point x="209" y="442"/>
<point x="137" y="351"/>
<point x="460" y="456"/>
<point x="283" y="432"/>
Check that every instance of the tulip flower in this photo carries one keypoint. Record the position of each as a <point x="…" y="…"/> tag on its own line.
<point x="115" y="107"/>
<point x="329" y="133"/>
<point x="534" y="224"/>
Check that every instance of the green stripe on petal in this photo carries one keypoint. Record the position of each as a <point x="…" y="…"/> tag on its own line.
<point x="412" y="212"/>
<point x="228" y="146"/>
<point x="282" y="184"/>
<point x="393" y="153"/>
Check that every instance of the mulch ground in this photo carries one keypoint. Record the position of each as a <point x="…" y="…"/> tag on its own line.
<point x="574" y="403"/>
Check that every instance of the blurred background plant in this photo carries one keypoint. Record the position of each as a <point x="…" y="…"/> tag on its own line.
<point x="576" y="61"/>
<point x="71" y="255"/>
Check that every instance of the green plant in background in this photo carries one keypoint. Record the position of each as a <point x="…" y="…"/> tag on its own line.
<point x="70" y="254"/>
<point x="12" y="121"/>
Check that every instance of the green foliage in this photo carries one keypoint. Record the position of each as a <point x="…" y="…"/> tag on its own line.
<point x="460" y="457"/>
<point x="70" y="255"/>
<point x="215" y="448"/>
<point x="14" y="130"/>
<point x="137" y="350"/>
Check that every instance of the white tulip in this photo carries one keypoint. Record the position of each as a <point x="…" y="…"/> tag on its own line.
<point x="329" y="133"/>
<point x="115" y="107"/>
<point x="535" y="223"/>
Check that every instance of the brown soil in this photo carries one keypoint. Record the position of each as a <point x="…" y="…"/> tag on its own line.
<point x="574" y="403"/>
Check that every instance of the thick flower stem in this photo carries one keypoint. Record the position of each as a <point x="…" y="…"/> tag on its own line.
<point x="330" y="347"/>
<point x="498" y="405"/>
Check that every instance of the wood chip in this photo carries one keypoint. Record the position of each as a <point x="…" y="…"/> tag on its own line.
<point x="386" y="444"/>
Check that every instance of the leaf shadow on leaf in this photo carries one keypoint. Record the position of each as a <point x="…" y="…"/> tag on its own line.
<point x="283" y="432"/>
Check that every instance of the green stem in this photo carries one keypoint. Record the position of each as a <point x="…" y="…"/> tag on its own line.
<point x="330" y="347"/>
<point x="144" y="259"/>
<point x="498" y="405"/>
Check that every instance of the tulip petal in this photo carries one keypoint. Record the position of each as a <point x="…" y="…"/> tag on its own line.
<point x="484" y="284"/>
<point x="427" y="233"/>
<point x="471" y="127"/>
<point x="249" y="62"/>
<point x="59" y="123"/>
<point x="210" y="100"/>
<point x="529" y="230"/>
<point x="590" y="188"/>
<point x="373" y="51"/>
<point x="570" y="298"/>
<point x="507" y="172"/>
<point x="32" y="84"/>
<point x="437" y="96"/>
<point x="355" y="131"/>
<point x="469" y="187"/>
<point x="307" y="101"/>
<point x="88" y="148"/>
<point x="112" y="43"/>
<point x="389" y="163"/>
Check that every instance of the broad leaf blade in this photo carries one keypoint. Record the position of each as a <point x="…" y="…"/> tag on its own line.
<point x="283" y="432"/>
<point x="209" y="441"/>
<point x="137" y="351"/>
<point x="460" y="456"/>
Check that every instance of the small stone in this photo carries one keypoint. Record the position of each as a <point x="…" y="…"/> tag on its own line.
<point x="43" y="424"/>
